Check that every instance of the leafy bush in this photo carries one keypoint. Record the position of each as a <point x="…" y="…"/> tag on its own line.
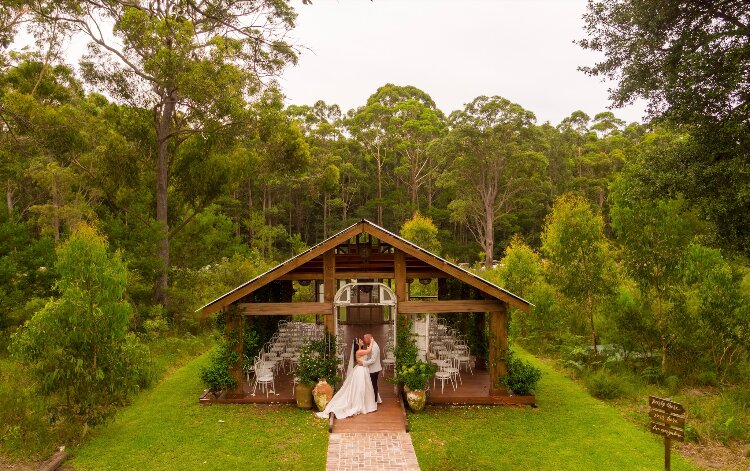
<point x="317" y="360"/>
<point x="522" y="376"/>
<point x="415" y="376"/>
<point x="651" y="374"/>
<point x="707" y="378"/>
<point x="606" y="385"/>
<point x="672" y="383"/>
<point x="215" y="376"/>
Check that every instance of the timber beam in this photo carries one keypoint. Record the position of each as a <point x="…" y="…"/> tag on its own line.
<point x="433" y="307"/>
<point x="285" y="309"/>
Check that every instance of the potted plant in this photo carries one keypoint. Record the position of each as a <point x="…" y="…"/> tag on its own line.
<point x="415" y="378"/>
<point x="317" y="362"/>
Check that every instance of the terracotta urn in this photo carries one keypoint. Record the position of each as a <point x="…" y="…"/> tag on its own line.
<point x="303" y="396"/>
<point x="416" y="398"/>
<point x="322" y="393"/>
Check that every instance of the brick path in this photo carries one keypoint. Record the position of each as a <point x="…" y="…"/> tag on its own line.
<point x="386" y="451"/>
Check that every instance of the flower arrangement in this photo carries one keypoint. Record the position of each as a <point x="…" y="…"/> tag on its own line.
<point x="415" y="376"/>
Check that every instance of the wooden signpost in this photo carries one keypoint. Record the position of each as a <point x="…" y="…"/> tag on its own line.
<point x="668" y="420"/>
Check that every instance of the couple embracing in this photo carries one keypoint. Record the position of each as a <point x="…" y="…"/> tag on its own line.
<point x="359" y="393"/>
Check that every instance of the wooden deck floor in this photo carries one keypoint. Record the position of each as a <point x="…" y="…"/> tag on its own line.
<point x="390" y="415"/>
<point x="474" y="390"/>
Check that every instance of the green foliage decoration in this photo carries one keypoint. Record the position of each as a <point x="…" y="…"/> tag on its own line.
<point x="318" y="360"/>
<point x="406" y="350"/>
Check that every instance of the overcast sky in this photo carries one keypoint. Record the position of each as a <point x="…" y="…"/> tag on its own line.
<point x="455" y="50"/>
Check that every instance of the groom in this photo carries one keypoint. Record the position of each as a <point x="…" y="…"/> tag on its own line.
<point x="372" y="362"/>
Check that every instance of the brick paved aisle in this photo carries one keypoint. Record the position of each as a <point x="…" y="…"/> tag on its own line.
<point x="382" y="451"/>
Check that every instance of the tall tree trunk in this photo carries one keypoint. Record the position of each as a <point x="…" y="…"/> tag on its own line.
<point x="163" y="130"/>
<point x="325" y="215"/>
<point x="380" y="190"/>
<point x="55" y="212"/>
<point x="662" y="327"/>
<point x="429" y="193"/>
<point x="298" y="211"/>
<point x="414" y="195"/>
<point x="590" y="308"/>
<point x="489" y="237"/>
<point x="9" y="198"/>
<point x="344" y="206"/>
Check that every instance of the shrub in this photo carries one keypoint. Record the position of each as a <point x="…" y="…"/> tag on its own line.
<point x="318" y="360"/>
<point x="651" y="374"/>
<point x="605" y="385"/>
<point x="522" y="376"/>
<point x="672" y="383"/>
<point x="707" y="378"/>
<point x="215" y="376"/>
<point x="406" y="350"/>
<point x="415" y="376"/>
<point x="78" y="346"/>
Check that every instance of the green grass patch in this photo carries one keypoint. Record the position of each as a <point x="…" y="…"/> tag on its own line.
<point x="31" y="431"/>
<point x="165" y="428"/>
<point x="569" y="431"/>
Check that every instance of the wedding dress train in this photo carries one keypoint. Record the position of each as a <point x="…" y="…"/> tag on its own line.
<point x="355" y="396"/>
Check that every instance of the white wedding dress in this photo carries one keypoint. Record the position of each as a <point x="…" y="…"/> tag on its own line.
<point x="355" y="396"/>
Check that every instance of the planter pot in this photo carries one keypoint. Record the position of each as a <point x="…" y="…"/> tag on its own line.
<point x="303" y="396"/>
<point x="322" y="394"/>
<point x="416" y="399"/>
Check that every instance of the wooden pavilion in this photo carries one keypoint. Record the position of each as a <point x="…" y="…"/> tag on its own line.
<point x="364" y="256"/>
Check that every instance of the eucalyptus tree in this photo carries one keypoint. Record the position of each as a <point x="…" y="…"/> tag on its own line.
<point x="194" y="64"/>
<point x="580" y="264"/>
<point x="494" y="165"/>
<point x="78" y="346"/>
<point x="323" y="128"/>
<point x="413" y="123"/>
<point x="655" y="238"/>
<point x="368" y="125"/>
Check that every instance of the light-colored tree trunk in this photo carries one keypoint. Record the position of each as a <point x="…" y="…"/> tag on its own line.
<point x="590" y="308"/>
<point x="55" y="211"/>
<point x="325" y="215"/>
<point x="9" y="198"/>
<point x="163" y="131"/>
<point x="379" y="167"/>
<point x="489" y="235"/>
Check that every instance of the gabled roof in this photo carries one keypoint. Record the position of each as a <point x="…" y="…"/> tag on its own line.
<point x="382" y="234"/>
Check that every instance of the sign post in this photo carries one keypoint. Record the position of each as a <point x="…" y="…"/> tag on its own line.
<point x="668" y="420"/>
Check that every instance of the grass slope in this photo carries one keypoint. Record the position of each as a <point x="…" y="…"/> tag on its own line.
<point x="165" y="428"/>
<point x="569" y="431"/>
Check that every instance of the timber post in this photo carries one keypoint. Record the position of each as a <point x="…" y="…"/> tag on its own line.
<point x="399" y="274"/>
<point x="234" y="333"/>
<point x="498" y="350"/>
<point x="329" y="288"/>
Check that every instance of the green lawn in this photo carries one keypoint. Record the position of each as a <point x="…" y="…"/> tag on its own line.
<point x="165" y="428"/>
<point x="569" y="431"/>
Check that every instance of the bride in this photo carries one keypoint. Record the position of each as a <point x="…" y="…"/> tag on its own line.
<point x="356" y="395"/>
